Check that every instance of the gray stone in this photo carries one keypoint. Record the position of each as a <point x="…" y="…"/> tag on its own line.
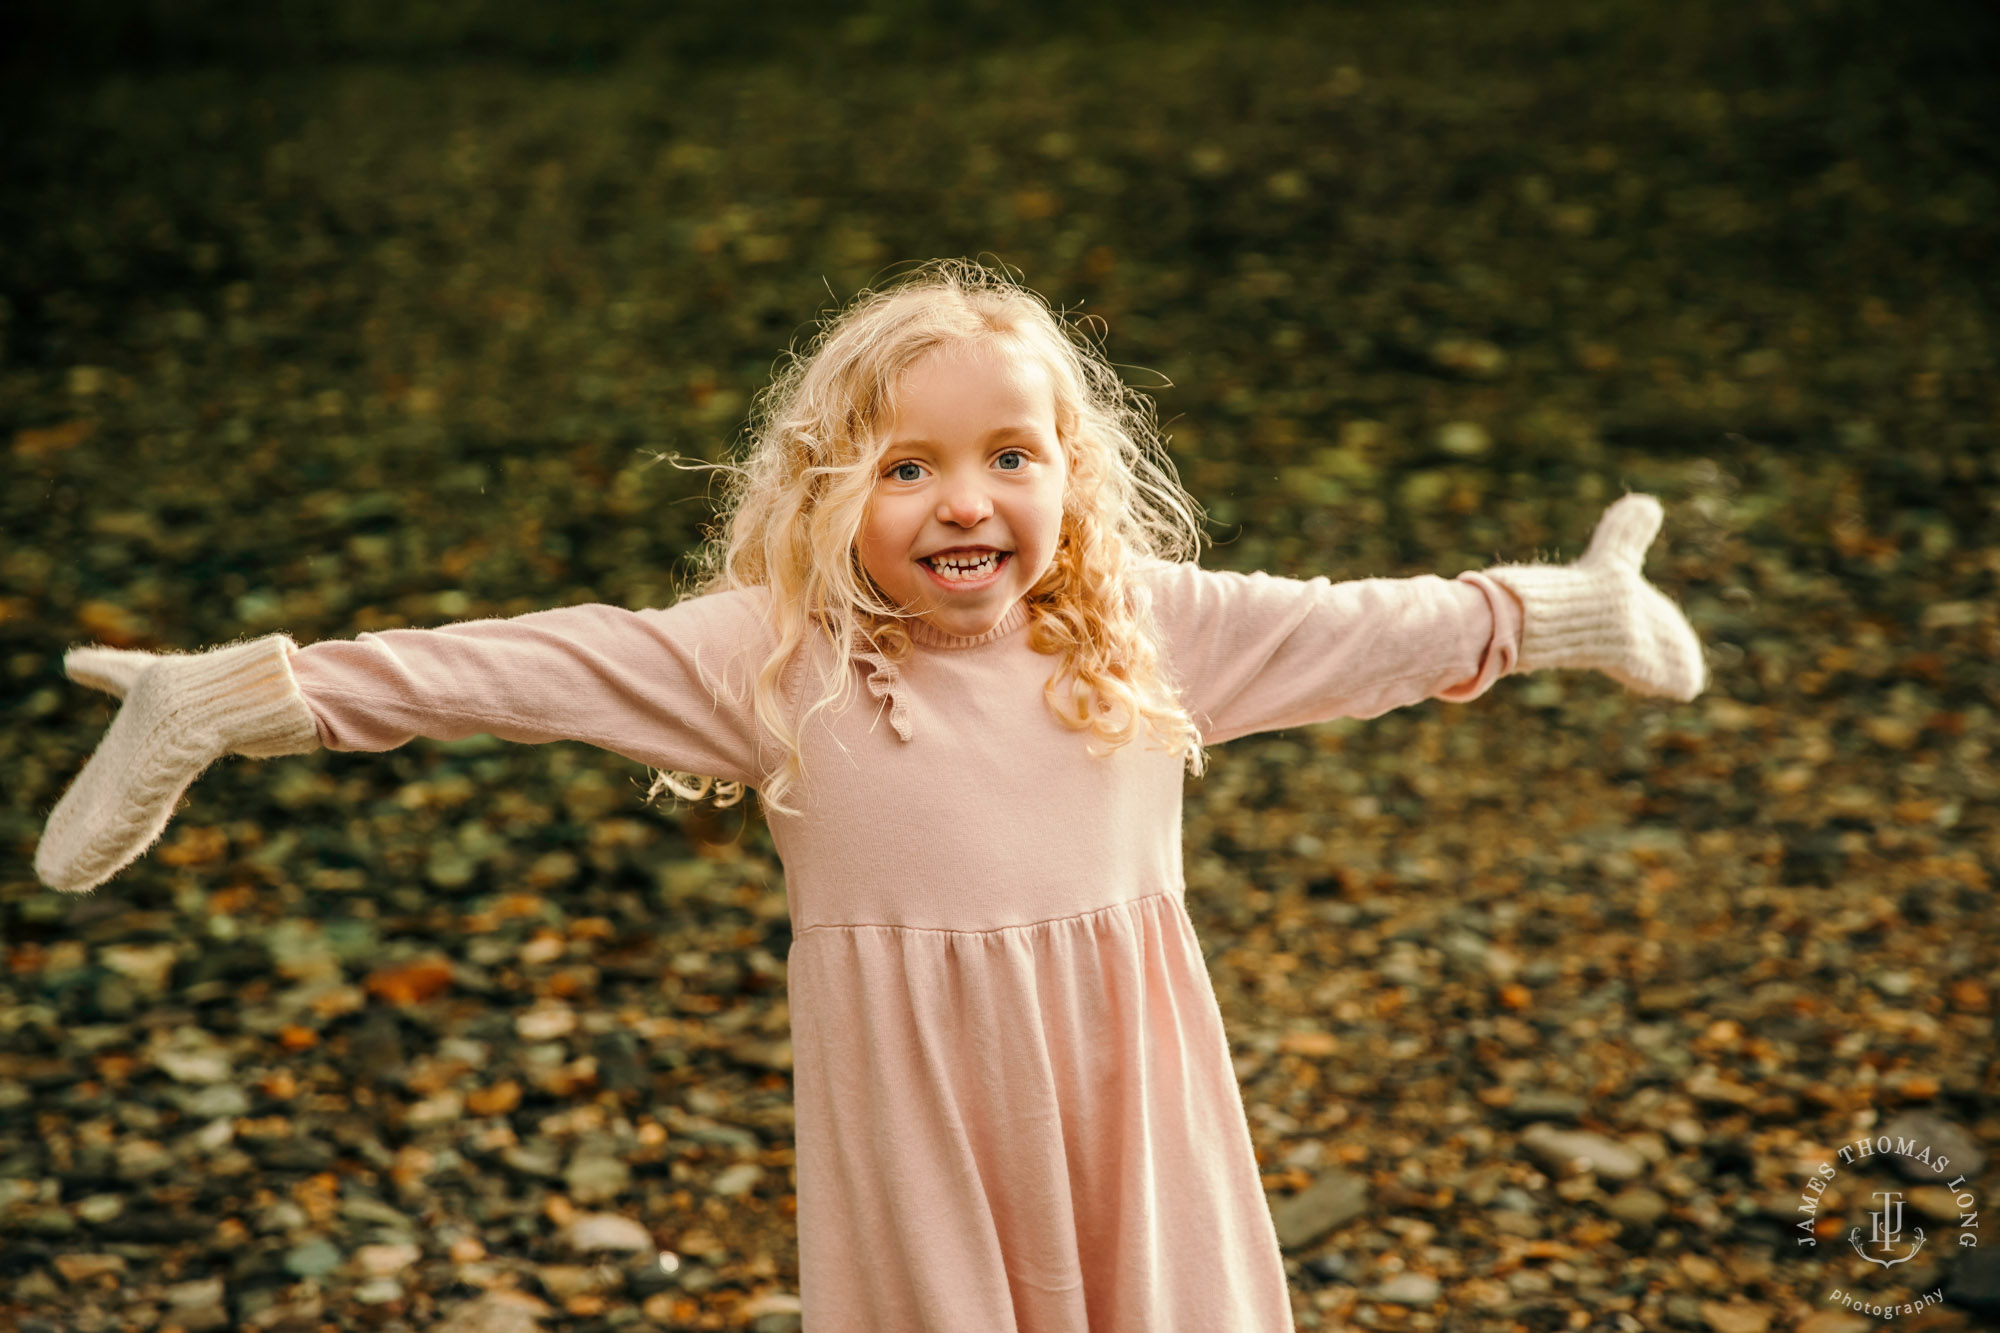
<point x="738" y="1179"/>
<point x="1561" y="1151"/>
<point x="362" y="1208"/>
<point x="596" y="1178"/>
<point x="1334" y="1199"/>
<point x="541" y="1158"/>
<point x="210" y="1102"/>
<point x="315" y="1258"/>
<point x="606" y="1231"/>
<point x="1330" y="1267"/>
<point x="1975" y="1281"/>
<point x="1419" y="1289"/>
<point x="1929" y="1130"/>
<point x="190" y="1055"/>
<point x="1532" y="1106"/>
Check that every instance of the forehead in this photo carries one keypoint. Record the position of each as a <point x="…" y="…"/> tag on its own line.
<point x="962" y="388"/>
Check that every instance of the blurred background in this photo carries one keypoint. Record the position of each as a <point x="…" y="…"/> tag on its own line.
<point x="327" y="318"/>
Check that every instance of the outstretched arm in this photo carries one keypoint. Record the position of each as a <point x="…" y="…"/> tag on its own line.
<point x="1253" y="652"/>
<point x="1257" y="653"/>
<point x="668" y="687"/>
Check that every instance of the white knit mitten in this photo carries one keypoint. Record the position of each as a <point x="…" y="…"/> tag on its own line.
<point x="1601" y="614"/>
<point x="182" y="712"/>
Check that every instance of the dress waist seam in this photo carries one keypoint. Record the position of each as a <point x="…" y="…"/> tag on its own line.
<point x="988" y="930"/>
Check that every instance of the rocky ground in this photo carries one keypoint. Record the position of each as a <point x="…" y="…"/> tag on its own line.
<point x="1548" y="1008"/>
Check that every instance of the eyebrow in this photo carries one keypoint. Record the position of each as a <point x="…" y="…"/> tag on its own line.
<point x="998" y="433"/>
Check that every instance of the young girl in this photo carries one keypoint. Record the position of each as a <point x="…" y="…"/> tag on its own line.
<point x="953" y="638"/>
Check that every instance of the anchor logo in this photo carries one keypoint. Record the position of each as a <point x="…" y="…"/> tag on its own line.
<point x="1886" y="1229"/>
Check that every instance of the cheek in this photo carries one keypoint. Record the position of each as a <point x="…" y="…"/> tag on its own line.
<point x="881" y="543"/>
<point x="1054" y="505"/>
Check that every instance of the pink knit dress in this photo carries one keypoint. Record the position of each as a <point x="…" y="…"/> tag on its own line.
<point x="1016" y="1108"/>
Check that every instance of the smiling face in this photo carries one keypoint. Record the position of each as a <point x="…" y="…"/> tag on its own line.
<point x="967" y="506"/>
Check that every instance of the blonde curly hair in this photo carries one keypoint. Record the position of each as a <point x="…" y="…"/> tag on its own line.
<point x="796" y="502"/>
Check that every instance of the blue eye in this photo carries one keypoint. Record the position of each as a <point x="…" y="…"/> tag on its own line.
<point x="906" y="472"/>
<point x="1020" y="460"/>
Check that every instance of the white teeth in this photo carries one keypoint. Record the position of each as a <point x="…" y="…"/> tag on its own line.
<point x="960" y="568"/>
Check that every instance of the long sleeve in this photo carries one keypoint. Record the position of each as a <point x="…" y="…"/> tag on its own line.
<point x="1253" y="652"/>
<point x="669" y="688"/>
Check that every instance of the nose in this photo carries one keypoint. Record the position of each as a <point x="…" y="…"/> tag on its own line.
<point x="964" y="504"/>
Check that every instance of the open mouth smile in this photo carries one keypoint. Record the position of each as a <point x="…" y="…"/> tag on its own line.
<point x="962" y="569"/>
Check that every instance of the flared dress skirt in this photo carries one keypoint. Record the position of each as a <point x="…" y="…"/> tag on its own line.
<point x="1032" y="1128"/>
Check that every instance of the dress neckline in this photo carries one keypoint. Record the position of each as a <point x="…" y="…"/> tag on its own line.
<point x="928" y="635"/>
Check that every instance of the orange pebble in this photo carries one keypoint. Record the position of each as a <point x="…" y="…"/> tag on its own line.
<point x="410" y="983"/>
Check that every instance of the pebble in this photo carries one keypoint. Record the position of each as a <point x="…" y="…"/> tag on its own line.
<point x="540" y="1158"/>
<point x="740" y="1178"/>
<point x="770" y="1303"/>
<point x="357" y="1207"/>
<point x="203" y="1291"/>
<point x="386" y="1260"/>
<point x="1561" y="1151"/>
<point x="1943" y="1138"/>
<point x="496" y="1312"/>
<point x="1975" y="1281"/>
<point x="1330" y="1267"/>
<point x="1464" y="438"/>
<point x="1532" y="1106"/>
<point x="546" y="1023"/>
<point x="1640" y="1207"/>
<point x="212" y="1101"/>
<point x="141" y="1159"/>
<point x="315" y="1258"/>
<point x="1334" y="1198"/>
<point x="100" y="1208"/>
<point x="565" y="1281"/>
<point x="146" y="966"/>
<point x="378" y="1291"/>
<point x="1419" y="1289"/>
<point x="80" y="1268"/>
<point x="596" y="1178"/>
<point x="605" y="1231"/>
<point x="1735" y="1317"/>
<point x="191" y="1055"/>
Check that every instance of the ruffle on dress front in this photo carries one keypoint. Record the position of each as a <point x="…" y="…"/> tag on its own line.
<point x="885" y="681"/>
<point x="885" y="677"/>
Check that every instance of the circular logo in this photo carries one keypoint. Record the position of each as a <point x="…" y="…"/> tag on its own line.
<point x="1872" y="1254"/>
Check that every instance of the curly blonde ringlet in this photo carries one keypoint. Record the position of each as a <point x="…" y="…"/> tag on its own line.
<point x="796" y="502"/>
